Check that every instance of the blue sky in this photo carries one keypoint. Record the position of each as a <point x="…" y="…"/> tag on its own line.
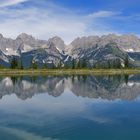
<point x="69" y="18"/>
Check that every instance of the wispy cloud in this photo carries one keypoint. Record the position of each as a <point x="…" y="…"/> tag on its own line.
<point x="103" y="14"/>
<point x="50" y="21"/>
<point x="5" y="3"/>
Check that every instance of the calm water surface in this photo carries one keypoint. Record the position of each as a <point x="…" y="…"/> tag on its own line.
<point x="70" y="108"/>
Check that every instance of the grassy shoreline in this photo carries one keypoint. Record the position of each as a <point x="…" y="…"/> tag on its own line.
<point x="32" y="72"/>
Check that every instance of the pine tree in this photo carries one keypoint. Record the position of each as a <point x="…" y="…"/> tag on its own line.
<point x="118" y="64"/>
<point x="109" y="64"/>
<point x="84" y="63"/>
<point x="20" y="65"/>
<point x="126" y="62"/>
<point x="33" y="65"/>
<point x="14" y="63"/>
<point x="45" y="66"/>
<point x="73" y="64"/>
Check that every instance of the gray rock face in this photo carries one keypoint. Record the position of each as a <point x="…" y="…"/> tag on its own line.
<point x="92" y="48"/>
<point x="48" y="56"/>
<point x="39" y="50"/>
<point x="27" y="43"/>
<point x="58" y="42"/>
<point x="85" y="42"/>
<point x="97" y="56"/>
<point x="8" y="46"/>
<point x="22" y="43"/>
<point x="128" y="43"/>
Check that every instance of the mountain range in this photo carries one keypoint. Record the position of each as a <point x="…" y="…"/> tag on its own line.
<point x="92" y="51"/>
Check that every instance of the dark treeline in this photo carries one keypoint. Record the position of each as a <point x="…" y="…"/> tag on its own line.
<point x="73" y="64"/>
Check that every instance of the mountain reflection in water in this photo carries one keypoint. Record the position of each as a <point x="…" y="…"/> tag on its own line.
<point x="70" y="108"/>
<point x="105" y="87"/>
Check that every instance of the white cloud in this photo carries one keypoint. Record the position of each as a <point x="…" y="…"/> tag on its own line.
<point x="48" y="22"/>
<point x="5" y="3"/>
<point x="103" y="14"/>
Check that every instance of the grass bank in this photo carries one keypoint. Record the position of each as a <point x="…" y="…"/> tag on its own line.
<point x="30" y="72"/>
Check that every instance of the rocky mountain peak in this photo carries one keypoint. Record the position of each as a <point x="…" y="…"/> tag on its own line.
<point x="25" y="36"/>
<point x="94" y="49"/>
<point x="128" y="43"/>
<point x="58" y="42"/>
<point x="85" y="42"/>
<point x="28" y="42"/>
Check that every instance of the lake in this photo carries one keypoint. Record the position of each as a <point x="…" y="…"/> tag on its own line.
<point x="70" y="108"/>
